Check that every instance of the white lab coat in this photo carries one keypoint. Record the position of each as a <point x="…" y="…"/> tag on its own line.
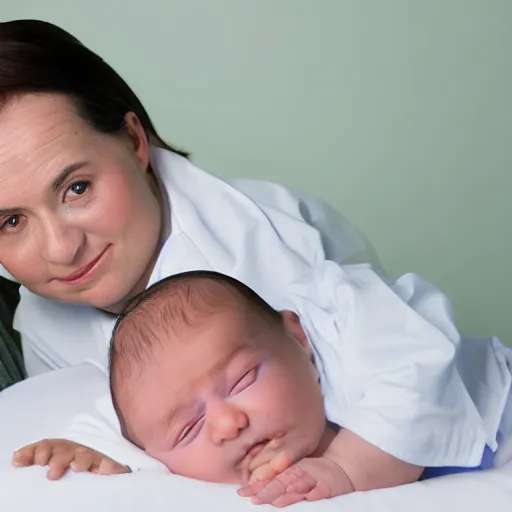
<point x="388" y="353"/>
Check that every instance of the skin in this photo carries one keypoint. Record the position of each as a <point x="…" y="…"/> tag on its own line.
<point x="109" y="205"/>
<point x="60" y="455"/>
<point x="225" y="385"/>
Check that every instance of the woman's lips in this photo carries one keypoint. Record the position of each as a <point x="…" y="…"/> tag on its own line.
<point x="87" y="271"/>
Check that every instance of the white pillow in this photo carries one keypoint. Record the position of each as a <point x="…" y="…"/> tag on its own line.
<point x="42" y="406"/>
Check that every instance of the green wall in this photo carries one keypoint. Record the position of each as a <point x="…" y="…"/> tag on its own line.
<point x="396" y="112"/>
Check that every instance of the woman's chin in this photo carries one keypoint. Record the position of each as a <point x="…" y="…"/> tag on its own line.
<point x="100" y="297"/>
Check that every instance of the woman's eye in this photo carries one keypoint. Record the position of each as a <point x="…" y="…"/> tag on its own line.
<point x="246" y="381"/>
<point x="79" y="188"/>
<point x="11" y="223"/>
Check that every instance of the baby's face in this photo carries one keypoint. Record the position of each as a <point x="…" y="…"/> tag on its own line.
<point x="217" y="396"/>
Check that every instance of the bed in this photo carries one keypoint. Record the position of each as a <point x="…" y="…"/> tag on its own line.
<point x="55" y="403"/>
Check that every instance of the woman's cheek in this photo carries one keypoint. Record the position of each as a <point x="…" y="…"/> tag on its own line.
<point x="105" y="212"/>
<point x="21" y="260"/>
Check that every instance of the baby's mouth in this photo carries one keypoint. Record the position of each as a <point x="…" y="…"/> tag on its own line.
<point x="252" y="451"/>
<point x="256" y="448"/>
<point x="249" y="452"/>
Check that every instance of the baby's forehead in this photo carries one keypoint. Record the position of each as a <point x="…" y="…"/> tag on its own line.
<point x="182" y="312"/>
<point x="194" y="299"/>
<point x="192" y="315"/>
<point x="225" y="332"/>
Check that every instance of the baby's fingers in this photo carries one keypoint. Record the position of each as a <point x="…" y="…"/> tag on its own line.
<point x="38" y="453"/>
<point x="294" y="481"/>
<point x="59" y="464"/>
<point x="85" y="460"/>
<point x="24" y="456"/>
<point x="277" y="465"/>
<point x="264" y="472"/>
<point x="111" y="467"/>
<point x="287" y="500"/>
<point x="97" y="463"/>
<point x="248" y="491"/>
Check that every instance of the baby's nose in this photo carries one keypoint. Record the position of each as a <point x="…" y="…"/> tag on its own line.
<point x="225" y="422"/>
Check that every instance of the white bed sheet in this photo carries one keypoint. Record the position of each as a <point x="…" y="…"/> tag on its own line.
<point x="43" y="406"/>
<point x="26" y="490"/>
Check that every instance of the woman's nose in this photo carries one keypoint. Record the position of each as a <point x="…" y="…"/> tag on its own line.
<point x="225" y="421"/>
<point x="60" y="244"/>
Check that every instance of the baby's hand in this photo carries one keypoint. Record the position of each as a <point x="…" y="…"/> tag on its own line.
<point x="60" y="455"/>
<point x="310" y="479"/>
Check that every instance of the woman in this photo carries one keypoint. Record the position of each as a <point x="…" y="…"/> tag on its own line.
<point x="94" y="207"/>
<point x="91" y="110"/>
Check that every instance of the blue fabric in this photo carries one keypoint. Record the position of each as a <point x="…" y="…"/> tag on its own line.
<point x="487" y="459"/>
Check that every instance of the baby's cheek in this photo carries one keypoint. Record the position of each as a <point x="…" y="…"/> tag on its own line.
<point x="198" y="462"/>
<point x="164" y="457"/>
<point x="274" y="397"/>
<point x="184" y="462"/>
<point x="269" y="389"/>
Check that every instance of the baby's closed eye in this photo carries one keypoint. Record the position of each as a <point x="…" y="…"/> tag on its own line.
<point x="190" y="431"/>
<point x="245" y="381"/>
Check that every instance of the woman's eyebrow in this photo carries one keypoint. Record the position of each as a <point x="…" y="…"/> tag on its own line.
<point x="7" y="212"/>
<point x="59" y="180"/>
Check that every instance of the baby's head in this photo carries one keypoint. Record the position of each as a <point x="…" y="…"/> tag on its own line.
<point x="204" y="374"/>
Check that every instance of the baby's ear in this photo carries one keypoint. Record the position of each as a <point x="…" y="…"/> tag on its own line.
<point x="292" y="324"/>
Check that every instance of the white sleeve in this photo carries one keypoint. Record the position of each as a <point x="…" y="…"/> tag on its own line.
<point x="387" y="355"/>
<point x="342" y="241"/>
<point x="35" y="363"/>
<point x="57" y="335"/>
<point x="31" y="320"/>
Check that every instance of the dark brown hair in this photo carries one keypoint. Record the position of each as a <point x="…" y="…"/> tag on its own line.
<point x="39" y="57"/>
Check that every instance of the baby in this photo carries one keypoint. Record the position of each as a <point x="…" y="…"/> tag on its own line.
<point x="208" y="379"/>
<point x="205" y="375"/>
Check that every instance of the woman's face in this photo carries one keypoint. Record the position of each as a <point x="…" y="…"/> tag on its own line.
<point x="80" y="219"/>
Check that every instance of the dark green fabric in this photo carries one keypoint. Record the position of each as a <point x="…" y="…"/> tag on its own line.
<point x="11" y="361"/>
